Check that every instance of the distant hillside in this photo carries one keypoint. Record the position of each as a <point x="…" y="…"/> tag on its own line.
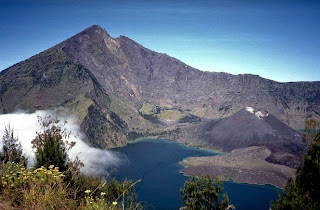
<point x="120" y="90"/>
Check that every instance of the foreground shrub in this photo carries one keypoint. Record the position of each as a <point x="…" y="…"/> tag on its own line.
<point x="51" y="145"/>
<point x="35" y="189"/>
<point x="45" y="188"/>
<point x="112" y="195"/>
<point x="204" y="193"/>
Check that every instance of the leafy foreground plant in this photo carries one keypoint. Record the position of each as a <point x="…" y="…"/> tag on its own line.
<point x="51" y="145"/>
<point x="40" y="188"/>
<point x="43" y="188"/>
<point x="204" y="193"/>
<point x="303" y="191"/>
<point x="115" y="195"/>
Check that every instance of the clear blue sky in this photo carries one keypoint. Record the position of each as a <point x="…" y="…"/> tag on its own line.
<point x="276" y="39"/>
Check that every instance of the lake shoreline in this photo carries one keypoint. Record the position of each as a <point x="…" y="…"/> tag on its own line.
<point x="233" y="181"/>
<point x="186" y="171"/>
<point x="184" y="162"/>
<point x="156" y="138"/>
<point x="158" y="163"/>
<point x="246" y="165"/>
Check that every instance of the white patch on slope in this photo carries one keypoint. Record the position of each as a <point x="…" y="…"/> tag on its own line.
<point x="250" y="109"/>
<point x="261" y="114"/>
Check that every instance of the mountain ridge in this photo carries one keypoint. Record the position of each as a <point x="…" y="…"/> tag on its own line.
<point x="147" y="65"/>
<point x="120" y="90"/>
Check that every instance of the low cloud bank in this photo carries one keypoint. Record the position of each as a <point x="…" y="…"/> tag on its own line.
<point x="25" y="126"/>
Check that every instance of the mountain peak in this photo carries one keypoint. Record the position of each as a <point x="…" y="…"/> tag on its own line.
<point x="95" y="26"/>
<point x="81" y="44"/>
<point x="94" y="29"/>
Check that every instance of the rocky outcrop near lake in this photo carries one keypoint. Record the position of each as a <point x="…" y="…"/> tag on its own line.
<point x="246" y="165"/>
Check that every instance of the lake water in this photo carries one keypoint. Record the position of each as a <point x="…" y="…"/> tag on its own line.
<point x="156" y="162"/>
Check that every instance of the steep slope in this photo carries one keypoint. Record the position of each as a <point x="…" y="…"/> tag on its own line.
<point x="129" y="71"/>
<point x="50" y="80"/>
<point x="120" y="90"/>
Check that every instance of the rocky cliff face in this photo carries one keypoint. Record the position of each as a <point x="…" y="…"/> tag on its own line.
<point x="120" y="89"/>
<point x="131" y="72"/>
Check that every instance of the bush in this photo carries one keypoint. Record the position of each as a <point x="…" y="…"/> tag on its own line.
<point x="51" y="146"/>
<point x="204" y="193"/>
<point x="40" y="188"/>
<point x="113" y="195"/>
<point x="45" y="188"/>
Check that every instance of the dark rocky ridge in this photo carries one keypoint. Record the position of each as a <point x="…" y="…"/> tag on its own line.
<point x="106" y="82"/>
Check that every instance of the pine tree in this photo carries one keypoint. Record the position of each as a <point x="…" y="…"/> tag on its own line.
<point x="12" y="150"/>
<point x="50" y="145"/>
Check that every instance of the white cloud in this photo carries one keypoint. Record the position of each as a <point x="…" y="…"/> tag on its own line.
<point x="26" y="125"/>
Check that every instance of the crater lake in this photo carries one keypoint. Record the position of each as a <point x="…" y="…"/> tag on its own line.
<point x="156" y="163"/>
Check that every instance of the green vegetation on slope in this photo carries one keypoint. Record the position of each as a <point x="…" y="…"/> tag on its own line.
<point x="303" y="191"/>
<point x="170" y="115"/>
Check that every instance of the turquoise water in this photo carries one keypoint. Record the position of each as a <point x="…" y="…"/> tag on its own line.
<point x="156" y="162"/>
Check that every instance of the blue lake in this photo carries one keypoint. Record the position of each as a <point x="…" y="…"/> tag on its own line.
<point x="156" y="162"/>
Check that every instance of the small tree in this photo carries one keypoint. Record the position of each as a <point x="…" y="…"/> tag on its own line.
<point x="303" y="192"/>
<point x="50" y="145"/>
<point x="12" y="150"/>
<point x="204" y="193"/>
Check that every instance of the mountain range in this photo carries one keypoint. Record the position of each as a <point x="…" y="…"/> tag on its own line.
<point x="120" y="90"/>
